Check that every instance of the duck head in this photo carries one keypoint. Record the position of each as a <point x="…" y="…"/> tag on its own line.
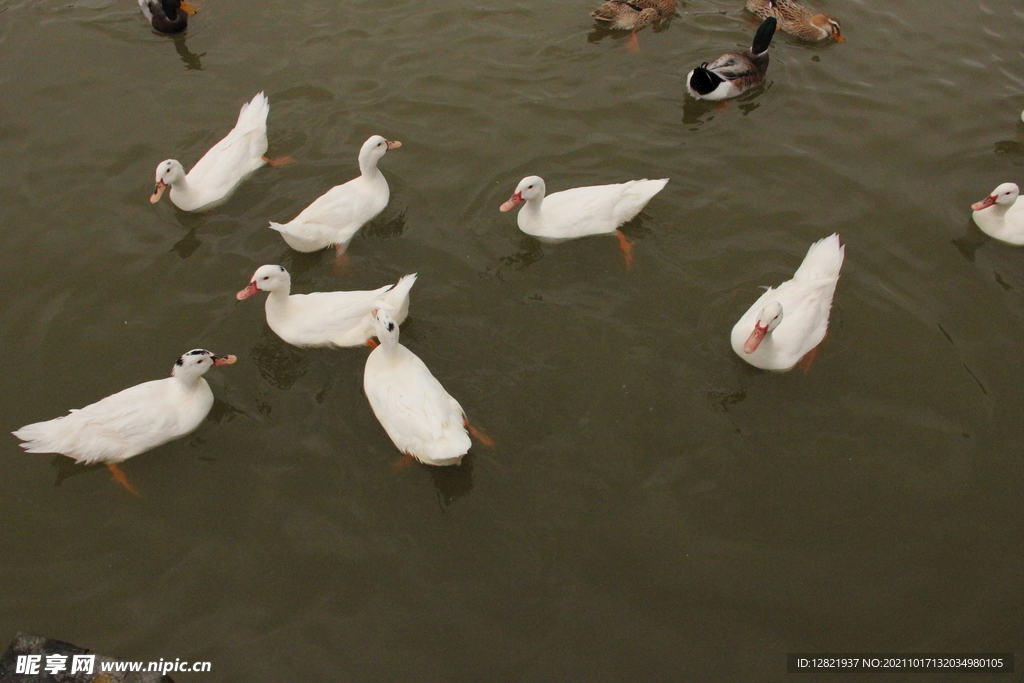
<point x="171" y="7"/>
<point x="267" y="279"/>
<point x="530" y="187"/>
<point x="196" y="362"/>
<point x="385" y="326"/>
<point x="1004" y="195"/>
<point x="167" y="173"/>
<point x="767" y="321"/>
<point x="829" y="26"/>
<point x="373" y="149"/>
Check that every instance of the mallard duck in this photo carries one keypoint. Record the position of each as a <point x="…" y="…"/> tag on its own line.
<point x="1000" y="216"/>
<point x="733" y="72"/>
<point x="581" y="211"/>
<point x="335" y="217"/>
<point x="632" y="15"/>
<point x="422" y="419"/>
<point x="797" y="20"/>
<point x="764" y="339"/>
<point x="164" y="15"/>
<point x="223" y="167"/>
<point x="325" y="318"/>
<point x="132" y="421"/>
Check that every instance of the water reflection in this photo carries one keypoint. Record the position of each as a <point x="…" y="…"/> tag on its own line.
<point x="187" y="245"/>
<point x="279" y="363"/>
<point x="452" y="482"/>
<point x="390" y="223"/>
<point x="66" y="468"/>
<point x="190" y="58"/>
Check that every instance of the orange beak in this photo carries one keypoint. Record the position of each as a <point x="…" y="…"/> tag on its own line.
<point x="250" y="289"/>
<point x="188" y="7"/>
<point x="223" y="360"/>
<point x="393" y="144"/>
<point x="513" y="201"/>
<point x="984" y="203"/>
<point x="755" y="338"/>
<point x="839" y="38"/>
<point x="158" y="192"/>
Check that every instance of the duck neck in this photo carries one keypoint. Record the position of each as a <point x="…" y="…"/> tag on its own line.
<point x="277" y="300"/>
<point x="187" y="381"/>
<point x="532" y="206"/>
<point x="368" y="168"/>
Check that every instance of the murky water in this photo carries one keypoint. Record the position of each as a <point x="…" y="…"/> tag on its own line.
<point x="654" y="509"/>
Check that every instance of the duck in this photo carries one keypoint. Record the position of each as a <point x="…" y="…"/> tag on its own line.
<point x="335" y="217"/>
<point x="766" y="339"/>
<point x="632" y="15"/>
<point x="132" y="421"/>
<point x="998" y="215"/>
<point x="734" y="72"/>
<point x="215" y="176"/>
<point x="581" y="211"/>
<point x="422" y="419"/>
<point x="797" y="20"/>
<point x="325" y="318"/>
<point x="164" y="15"/>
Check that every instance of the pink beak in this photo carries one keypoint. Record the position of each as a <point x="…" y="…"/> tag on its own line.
<point x="158" y="192"/>
<point x="250" y="289"/>
<point x="513" y="201"/>
<point x="984" y="203"/>
<point x="754" y="340"/>
<point x="223" y="360"/>
<point x="393" y="144"/>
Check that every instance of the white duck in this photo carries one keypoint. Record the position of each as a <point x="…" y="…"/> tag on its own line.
<point x="325" y="318"/>
<point x="764" y="339"/>
<point x="999" y="215"/>
<point x="132" y="421"/>
<point x="581" y="211"/>
<point x="336" y="216"/>
<point x="221" y="169"/>
<point x="421" y="418"/>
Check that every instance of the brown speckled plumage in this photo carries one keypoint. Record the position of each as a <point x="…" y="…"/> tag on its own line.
<point x="632" y="14"/>
<point x="797" y="20"/>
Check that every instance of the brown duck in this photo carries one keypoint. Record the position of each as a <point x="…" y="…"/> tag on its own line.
<point x="632" y="15"/>
<point x="797" y="20"/>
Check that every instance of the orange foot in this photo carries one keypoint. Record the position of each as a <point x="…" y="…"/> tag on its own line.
<point x="121" y="478"/>
<point x="403" y="463"/>
<point x="372" y="343"/>
<point x="805" y="362"/>
<point x="278" y="162"/>
<point x="626" y="245"/>
<point x="341" y="260"/>
<point x="633" y="44"/>
<point x="478" y="434"/>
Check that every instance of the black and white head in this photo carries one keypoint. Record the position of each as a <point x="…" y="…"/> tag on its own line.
<point x="385" y="326"/>
<point x="197" y="361"/>
<point x="267" y="279"/>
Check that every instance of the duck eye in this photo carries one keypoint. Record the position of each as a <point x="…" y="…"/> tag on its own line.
<point x="266" y="277"/>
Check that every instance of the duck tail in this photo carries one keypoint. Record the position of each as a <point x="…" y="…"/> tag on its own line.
<point x="254" y="114"/>
<point x="703" y="81"/>
<point x="398" y="296"/>
<point x="763" y="37"/>
<point x="824" y="260"/>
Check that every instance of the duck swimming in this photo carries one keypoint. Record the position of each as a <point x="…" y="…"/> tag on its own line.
<point x="788" y="322"/>
<point x="325" y="318"/>
<point x="581" y="211"/>
<point x="797" y="20"/>
<point x="216" y="175"/>
<point x="733" y="72"/>
<point x="131" y="421"/>
<point x="632" y="15"/>
<point x="167" y="16"/>
<point x="1000" y="216"/>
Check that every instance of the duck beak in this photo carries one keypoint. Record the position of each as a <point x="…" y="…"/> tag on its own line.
<point x="513" y="201"/>
<point x="223" y="360"/>
<point x="984" y="203"/>
<point x="158" y="192"/>
<point x="250" y="289"/>
<point x="839" y="37"/>
<point x="393" y="144"/>
<point x="755" y="338"/>
<point x="188" y="7"/>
